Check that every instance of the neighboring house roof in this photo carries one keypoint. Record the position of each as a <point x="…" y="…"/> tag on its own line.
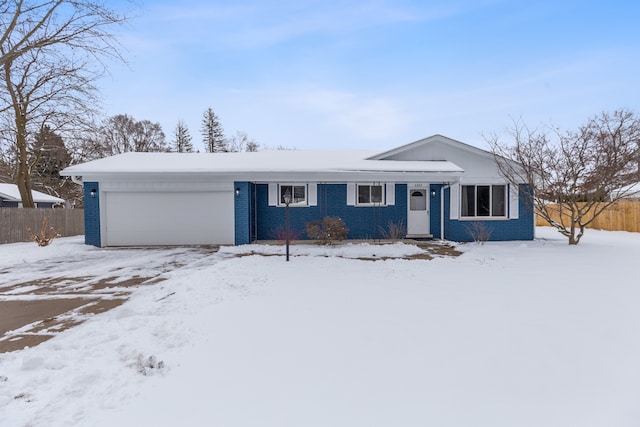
<point x="628" y="192"/>
<point x="11" y="193"/>
<point x="263" y="165"/>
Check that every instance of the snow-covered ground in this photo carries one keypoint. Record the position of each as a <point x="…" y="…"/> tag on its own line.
<point x="508" y="334"/>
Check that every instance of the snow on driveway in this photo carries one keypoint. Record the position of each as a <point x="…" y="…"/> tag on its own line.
<point x="508" y="334"/>
<point x="48" y="290"/>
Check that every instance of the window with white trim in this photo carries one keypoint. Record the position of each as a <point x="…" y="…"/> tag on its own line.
<point x="483" y="201"/>
<point x="298" y="194"/>
<point x="370" y="194"/>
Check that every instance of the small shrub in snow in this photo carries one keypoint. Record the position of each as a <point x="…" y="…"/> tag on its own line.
<point x="395" y="231"/>
<point x="148" y="365"/>
<point x="479" y="231"/>
<point x="328" y="230"/>
<point x="280" y="234"/>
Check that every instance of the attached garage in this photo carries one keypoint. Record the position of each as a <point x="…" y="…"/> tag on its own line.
<point x="134" y="218"/>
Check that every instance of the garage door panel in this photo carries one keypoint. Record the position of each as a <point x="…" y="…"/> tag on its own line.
<point x="168" y="218"/>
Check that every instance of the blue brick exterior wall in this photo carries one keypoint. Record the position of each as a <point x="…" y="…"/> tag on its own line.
<point x="434" y="211"/>
<point x="363" y="222"/>
<point x="512" y="229"/>
<point x="92" y="214"/>
<point x="255" y="219"/>
<point x="242" y="209"/>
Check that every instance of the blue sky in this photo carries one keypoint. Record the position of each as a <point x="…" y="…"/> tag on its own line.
<point x="375" y="74"/>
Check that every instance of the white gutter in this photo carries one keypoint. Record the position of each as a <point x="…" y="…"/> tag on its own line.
<point x="442" y="209"/>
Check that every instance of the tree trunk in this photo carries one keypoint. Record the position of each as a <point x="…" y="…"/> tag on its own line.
<point x="23" y="175"/>
<point x="572" y="234"/>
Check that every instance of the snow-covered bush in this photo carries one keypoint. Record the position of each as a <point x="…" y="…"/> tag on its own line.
<point x="148" y="365"/>
<point x="328" y="230"/>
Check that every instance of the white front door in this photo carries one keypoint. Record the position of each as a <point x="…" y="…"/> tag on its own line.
<point x="418" y="214"/>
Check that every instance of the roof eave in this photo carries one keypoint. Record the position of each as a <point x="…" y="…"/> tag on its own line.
<point x="258" y="176"/>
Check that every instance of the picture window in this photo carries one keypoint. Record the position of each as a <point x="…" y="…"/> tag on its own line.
<point x="484" y="201"/>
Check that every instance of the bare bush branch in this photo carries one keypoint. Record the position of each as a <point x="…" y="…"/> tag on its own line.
<point x="46" y="235"/>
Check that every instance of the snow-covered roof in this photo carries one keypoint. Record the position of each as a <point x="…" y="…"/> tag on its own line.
<point x="10" y="192"/>
<point x="627" y="192"/>
<point x="430" y="140"/>
<point x="256" y="163"/>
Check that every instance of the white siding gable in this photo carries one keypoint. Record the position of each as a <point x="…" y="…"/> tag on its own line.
<point x="479" y="166"/>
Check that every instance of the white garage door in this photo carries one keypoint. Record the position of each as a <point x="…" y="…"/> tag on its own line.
<point x="168" y="218"/>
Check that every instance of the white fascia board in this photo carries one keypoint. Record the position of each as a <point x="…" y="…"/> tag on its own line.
<point x="365" y="176"/>
<point x="302" y="176"/>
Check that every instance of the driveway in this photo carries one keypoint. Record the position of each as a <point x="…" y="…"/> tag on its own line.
<point x="39" y="299"/>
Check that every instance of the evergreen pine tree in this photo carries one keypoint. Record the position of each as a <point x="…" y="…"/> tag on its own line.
<point x="182" y="138"/>
<point x="212" y="133"/>
<point x="50" y="155"/>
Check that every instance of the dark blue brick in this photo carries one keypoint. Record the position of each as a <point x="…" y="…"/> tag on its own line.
<point x="434" y="210"/>
<point x="243" y="212"/>
<point x="501" y="230"/>
<point x="92" y="214"/>
<point x="363" y="222"/>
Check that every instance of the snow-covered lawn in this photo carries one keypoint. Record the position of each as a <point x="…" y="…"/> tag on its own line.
<point x="508" y="334"/>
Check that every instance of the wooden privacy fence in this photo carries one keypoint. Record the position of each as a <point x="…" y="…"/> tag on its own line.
<point x="623" y="215"/>
<point x="14" y="222"/>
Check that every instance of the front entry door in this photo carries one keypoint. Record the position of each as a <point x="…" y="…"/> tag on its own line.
<point x="418" y="215"/>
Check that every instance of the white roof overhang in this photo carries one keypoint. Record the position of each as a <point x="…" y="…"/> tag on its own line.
<point x="10" y="192"/>
<point x="262" y="167"/>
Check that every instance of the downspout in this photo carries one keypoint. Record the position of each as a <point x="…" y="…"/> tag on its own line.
<point x="76" y="180"/>
<point x="444" y="186"/>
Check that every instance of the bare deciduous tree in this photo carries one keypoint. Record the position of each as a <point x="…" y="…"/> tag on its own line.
<point x="573" y="174"/>
<point x="122" y="133"/>
<point x="241" y="142"/>
<point x="50" y="54"/>
<point x="41" y="90"/>
<point x="149" y="137"/>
